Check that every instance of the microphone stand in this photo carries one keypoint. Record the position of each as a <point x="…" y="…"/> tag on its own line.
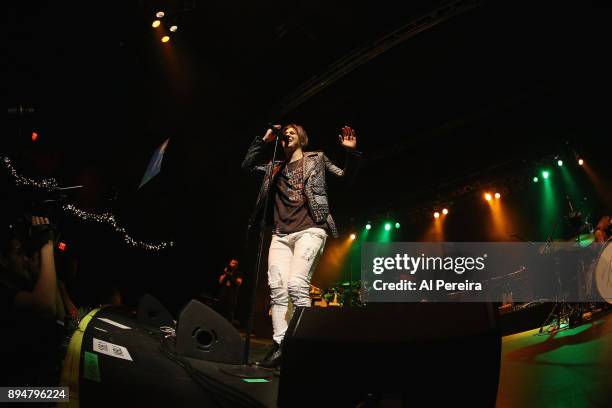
<point x="245" y="370"/>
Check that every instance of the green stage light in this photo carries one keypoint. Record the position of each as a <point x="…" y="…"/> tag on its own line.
<point x="397" y="225"/>
<point x="368" y="226"/>
<point x="535" y="179"/>
<point x="545" y="174"/>
<point x="387" y="226"/>
<point x="559" y="163"/>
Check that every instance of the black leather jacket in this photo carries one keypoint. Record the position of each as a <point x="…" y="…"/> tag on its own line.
<point x="315" y="188"/>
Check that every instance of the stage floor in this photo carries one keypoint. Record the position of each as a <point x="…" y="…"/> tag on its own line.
<point x="572" y="368"/>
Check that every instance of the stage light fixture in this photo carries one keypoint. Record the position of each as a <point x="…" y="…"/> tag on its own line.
<point x="387" y="226"/>
<point x="34" y="136"/>
<point x="165" y="39"/>
<point x="368" y="226"/>
<point x="160" y="14"/>
<point x="173" y="28"/>
<point x="445" y="211"/>
<point x="156" y="23"/>
<point x="488" y="196"/>
<point x="436" y="215"/>
<point x="497" y="195"/>
<point x="397" y="225"/>
<point x="61" y="246"/>
<point x="560" y="163"/>
<point x="545" y="174"/>
<point x="580" y="162"/>
<point x="353" y="236"/>
<point x="535" y="179"/>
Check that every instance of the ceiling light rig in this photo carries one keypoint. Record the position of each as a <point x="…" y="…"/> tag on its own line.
<point x="167" y="22"/>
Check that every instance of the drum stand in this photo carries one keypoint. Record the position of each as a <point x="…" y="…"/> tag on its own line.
<point x="563" y="312"/>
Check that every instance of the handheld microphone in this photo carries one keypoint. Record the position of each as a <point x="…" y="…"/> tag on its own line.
<point x="277" y="132"/>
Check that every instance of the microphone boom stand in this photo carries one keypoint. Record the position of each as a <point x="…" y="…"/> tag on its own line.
<point x="246" y="370"/>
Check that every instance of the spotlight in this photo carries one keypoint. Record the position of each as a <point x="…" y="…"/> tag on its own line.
<point x="535" y="179"/>
<point x="436" y="215"/>
<point x="580" y="162"/>
<point x="445" y="211"/>
<point x="61" y="246"/>
<point x="559" y="162"/>
<point x="156" y="23"/>
<point x="160" y="14"/>
<point x="545" y="174"/>
<point x="165" y="39"/>
<point x="34" y="136"/>
<point x="368" y="226"/>
<point x="397" y="225"/>
<point x="497" y="195"/>
<point x="173" y="28"/>
<point x="353" y="236"/>
<point x="488" y="196"/>
<point x="387" y="226"/>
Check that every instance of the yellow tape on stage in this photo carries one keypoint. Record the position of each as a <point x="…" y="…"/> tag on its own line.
<point x="72" y="361"/>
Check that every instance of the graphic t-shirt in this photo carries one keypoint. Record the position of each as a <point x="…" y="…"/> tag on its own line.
<point x="291" y="213"/>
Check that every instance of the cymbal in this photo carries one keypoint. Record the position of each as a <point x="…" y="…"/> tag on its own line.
<point x="349" y="283"/>
<point x="584" y="240"/>
<point x="560" y="246"/>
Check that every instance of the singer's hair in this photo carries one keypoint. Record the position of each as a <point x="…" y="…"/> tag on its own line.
<point x="302" y="135"/>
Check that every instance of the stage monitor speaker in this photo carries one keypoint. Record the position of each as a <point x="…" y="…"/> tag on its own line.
<point x="152" y="313"/>
<point x="204" y="334"/>
<point x="404" y="354"/>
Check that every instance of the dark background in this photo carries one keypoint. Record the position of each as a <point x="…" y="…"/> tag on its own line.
<point x="482" y="99"/>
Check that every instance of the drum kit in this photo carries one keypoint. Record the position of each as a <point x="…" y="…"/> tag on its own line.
<point x="603" y="272"/>
<point x="591" y="277"/>
<point x="349" y="293"/>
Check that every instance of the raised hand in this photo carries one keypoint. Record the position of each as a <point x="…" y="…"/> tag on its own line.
<point x="348" y="138"/>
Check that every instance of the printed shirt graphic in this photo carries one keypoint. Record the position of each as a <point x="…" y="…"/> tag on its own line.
<point x="291" y="212"/>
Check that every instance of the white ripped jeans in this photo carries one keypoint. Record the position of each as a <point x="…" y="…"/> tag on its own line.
<point x="291" y="261"/>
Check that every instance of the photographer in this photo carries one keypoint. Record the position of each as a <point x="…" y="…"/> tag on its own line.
<point x="230" y="280"/>
<point x="31" y="307"/>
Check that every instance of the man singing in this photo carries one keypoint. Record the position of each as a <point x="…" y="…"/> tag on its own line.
<point x="301" y="217"/>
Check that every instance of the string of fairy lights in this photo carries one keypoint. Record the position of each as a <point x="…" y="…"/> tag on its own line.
<point x="25" y="181"/>
<point x="103" y="218"/>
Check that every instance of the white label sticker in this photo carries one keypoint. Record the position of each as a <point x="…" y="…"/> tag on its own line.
<point x="111" y="349"/>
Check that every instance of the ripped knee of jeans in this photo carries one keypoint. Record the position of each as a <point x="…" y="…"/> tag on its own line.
<point x="308" y="254"/>
<point x="274" y="277"/>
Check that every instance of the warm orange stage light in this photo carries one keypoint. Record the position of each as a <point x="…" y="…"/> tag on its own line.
<point x="165" y="39"/>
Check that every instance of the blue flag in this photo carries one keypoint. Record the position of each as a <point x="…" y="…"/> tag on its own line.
<point x="155" y="163"/>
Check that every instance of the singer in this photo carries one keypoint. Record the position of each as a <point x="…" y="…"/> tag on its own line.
<point x="301" y="217"/>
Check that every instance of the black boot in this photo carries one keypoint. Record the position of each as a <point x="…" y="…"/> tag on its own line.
<point x="273" y="358"/>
